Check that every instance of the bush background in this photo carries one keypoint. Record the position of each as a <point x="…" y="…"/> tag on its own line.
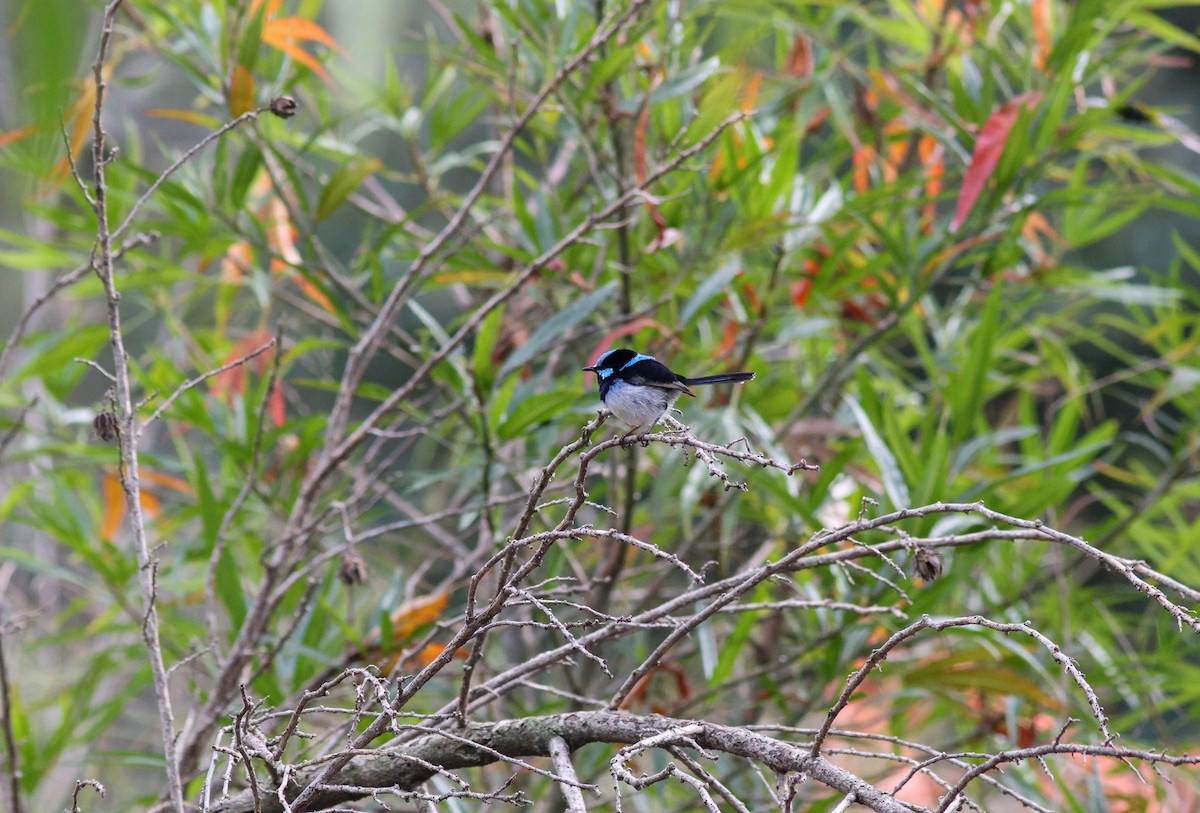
<point x="1040" y="357"/>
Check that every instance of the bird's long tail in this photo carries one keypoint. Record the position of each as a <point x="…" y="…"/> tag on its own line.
<point x="718" y="379"/>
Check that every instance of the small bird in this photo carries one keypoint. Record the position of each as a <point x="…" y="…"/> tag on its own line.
<point x="639" y="389"/>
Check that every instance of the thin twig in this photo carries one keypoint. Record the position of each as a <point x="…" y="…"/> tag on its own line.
<point x="12" y="762"/>
<point x="179" y="162"/>
<point x="103" y="265"/>
<point x="200" y="379"/>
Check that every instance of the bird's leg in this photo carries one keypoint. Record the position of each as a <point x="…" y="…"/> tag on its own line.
<point x="625" y="437"/>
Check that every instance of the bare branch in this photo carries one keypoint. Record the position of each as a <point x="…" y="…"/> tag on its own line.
<point x="561" y="755"/>
<point x="200" y="379"/>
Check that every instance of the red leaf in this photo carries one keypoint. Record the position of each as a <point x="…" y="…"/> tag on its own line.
<point x="276" y="407"/>
<point x="800" y="291"/>
<point x="799" y="62"/>
<point x="988" y="147"/>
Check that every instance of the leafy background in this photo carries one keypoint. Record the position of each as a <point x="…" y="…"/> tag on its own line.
<point x="955" y="242"/>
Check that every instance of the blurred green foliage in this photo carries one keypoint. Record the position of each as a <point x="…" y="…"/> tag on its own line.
<point x="811" y="243"/>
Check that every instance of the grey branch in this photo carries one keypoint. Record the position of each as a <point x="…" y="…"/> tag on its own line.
<point x="405" y="768"/>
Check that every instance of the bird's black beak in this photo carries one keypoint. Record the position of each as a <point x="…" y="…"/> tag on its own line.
<point x="589" y="369"/>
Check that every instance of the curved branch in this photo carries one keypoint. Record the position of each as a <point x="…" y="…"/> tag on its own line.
<point x="407" y="767"/>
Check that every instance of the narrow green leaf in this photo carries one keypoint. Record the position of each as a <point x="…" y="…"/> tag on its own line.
<point x="1165" y="31"/>
<point x="485" y="344"/>
<point x="893" y="481"/>
<point x="534" y="410"/>
<point x="966" y="393"/>
<point x="714" y="285"/>
<point x="252" y="38"/>
<point x="557" y="325"/>
<point x="210" y="510"/>
<point x="228" y="579"/>
<point x="681" y="83"/>
<point x="343" y="182"/>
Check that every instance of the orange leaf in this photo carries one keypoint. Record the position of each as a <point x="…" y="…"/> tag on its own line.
<point x="298" y="28"/>
<point x="412" y="615"/>
<point x="639" y="692"/>
<point x="863" y="157"/>
<point x="241" y="91"/>
<point x="283" y="34"/>
<point x="113" y="497"/>
<point x="150" y="504"/>
<point x="78" y="122"/>
<point x="276" y="407"/>
<point x="281" y="232"/>
<point x="988" y="148"/>
<point x="272" y="6"/>
<point x="430" y="653"/>
<point x="639" y="146"/>
<point x="236" y="262"/>
<point x="311" y="290"/>
<point x="16" y="135"/>
<point x="234" y="379"/>
<point x="931" y="152"/>
<point x="799" y="60"/>
<point x="729" y="338"/>
<point x="750" y="95"/>
<point x="1039" y="11"/>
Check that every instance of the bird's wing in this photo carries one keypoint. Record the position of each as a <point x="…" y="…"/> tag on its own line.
<point x="643" y="381"/>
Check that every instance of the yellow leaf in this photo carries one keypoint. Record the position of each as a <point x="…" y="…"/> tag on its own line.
<point x="472" y="276"/>
<point x="241" y="91"/>
<point x="190" y="116"/>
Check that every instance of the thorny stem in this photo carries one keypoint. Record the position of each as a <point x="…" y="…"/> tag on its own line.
<point x="102" y="262"/>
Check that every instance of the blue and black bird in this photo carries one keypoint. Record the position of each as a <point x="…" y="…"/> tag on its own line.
<point x="639" y="389"/>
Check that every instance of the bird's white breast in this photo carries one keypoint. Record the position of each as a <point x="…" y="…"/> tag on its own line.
<point x="639" y="405"/>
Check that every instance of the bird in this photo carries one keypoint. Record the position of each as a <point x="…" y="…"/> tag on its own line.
<point x="639" y="389"/>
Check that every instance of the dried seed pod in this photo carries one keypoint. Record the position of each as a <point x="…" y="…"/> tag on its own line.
<point x="929" y="564"/>
<point x="106" y="425"/>
<point x="352" y="569"/>
<point x="283" y="106"/>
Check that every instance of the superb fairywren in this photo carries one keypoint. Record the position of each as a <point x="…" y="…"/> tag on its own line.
<point x="639" y="389"/>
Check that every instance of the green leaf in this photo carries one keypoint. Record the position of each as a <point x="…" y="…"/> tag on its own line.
<point x="718" y="104"/>
<point x="681" y="83"/>
<point x="228" y="582"/>
<point x="966" y="393"/>
<point x="210" y="510"/>
<point x="485" y="344"/>
<point x="557" y="325"/>
<point x="535" y="409"/>
<point x="893" y="481"/>
<point x="1165" y="31"/>
<point x="248" y="47"/>
<point x="343" y="182"/>
<point x="714" y="285"/>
